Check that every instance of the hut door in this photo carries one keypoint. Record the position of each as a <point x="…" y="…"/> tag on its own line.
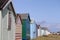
<point x="9" y="21"/>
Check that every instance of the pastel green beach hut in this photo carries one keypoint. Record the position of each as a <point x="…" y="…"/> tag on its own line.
<point x="25" y="26"/>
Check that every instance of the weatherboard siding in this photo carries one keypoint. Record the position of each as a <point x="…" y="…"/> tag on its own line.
<point x="25" y="29"/>
<point x="11" y="33"/>
<point x="18" y="34"/>
<point x="4" y="24"/>
<point x="7" y="34"/>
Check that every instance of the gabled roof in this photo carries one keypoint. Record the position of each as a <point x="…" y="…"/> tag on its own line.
<point x="25" y="16"/>
<point x="3" y="3"/>
<point x="12" y="8"/>
<point x="18" y="15"/>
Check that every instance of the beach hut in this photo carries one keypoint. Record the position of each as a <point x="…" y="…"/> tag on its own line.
<point x="25" y="26"/>
<point x="18" y="33"/>
<point x="44" y="31"/>
<point x="33" y="29"/>
<point x="7" y="20"/>
<point x="39" y="30"/>
<point x="47" y="32"/>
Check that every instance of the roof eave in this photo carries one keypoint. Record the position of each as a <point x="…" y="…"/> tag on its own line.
<point x="29" y="17"/>
<point x="1" y="8"/>
<point x="13" y="8"/>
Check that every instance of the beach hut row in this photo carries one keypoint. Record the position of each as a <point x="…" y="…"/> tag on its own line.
<point x="17" y="26"/>
<point x="28" y="28"/>
<point x="7" y="20"/>
<point x="13" y="26"/>
<point x="42" y="31"/>
<point x="36" y="30"/>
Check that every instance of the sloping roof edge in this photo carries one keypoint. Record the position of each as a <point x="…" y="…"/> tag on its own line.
<point x="13" y="8"/>
<point x="19" y="17"/>
<point x="5" y="4"/>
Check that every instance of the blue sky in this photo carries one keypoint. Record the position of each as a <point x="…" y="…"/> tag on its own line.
<point x="47" y="11"/>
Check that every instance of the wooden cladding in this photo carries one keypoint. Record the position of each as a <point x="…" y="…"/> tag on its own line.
<point x="18" y="34"/>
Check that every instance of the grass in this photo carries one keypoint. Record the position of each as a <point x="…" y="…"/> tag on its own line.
<point x="49" y="37"/>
